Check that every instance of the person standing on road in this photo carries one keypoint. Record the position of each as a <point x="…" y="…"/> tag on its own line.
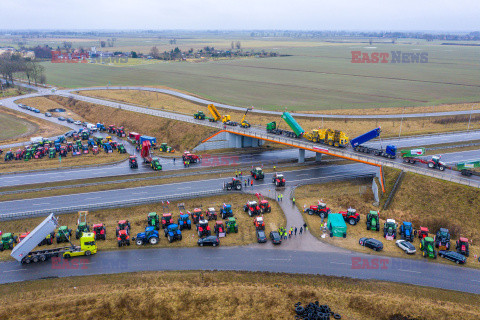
<point x="251" y="183"/>
<point x="305" y="226"/>
<point x="248" y="180"/>
<point x="295" y="231"/>
<point x="281" y="197"/>
<point x="245" y="183"/>
<point x="274" y="168"/>
<point x="289" y="234"/>
<point x="291" y="230"/>
<point x="301" y="230"/>
<point x="293" y="200"/>
<point x="174" y="160"/>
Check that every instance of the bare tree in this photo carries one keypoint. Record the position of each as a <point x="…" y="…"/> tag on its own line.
<point x="103" y="44"/>
<point x="238" y="45"/>
<point x="155" y="53"/>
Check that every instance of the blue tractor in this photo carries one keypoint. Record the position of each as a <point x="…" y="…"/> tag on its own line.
<point x="107" y="148"/>
<point x="172" y="233"/>
<point x="91" y="143"/>
<point x="184" y="222"/>
<point x="101" y="127"/>
<point x="57" y="146"/>
<point x="406" y="231"/>
<point x="226" y="211"/>
<point x="149" y="236"/>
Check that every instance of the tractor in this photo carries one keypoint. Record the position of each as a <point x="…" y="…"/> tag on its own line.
<point x="123" y="225"/>
<point x="190" y="157"/>
<point x="235" y="184"/>
<point x="423" y="232"/>
<point x="112" y="128"/>
<point x="69" y="146"/>
<point x="199" y="115"/>
<point x="123" y="238"/>
<point x="252" y="208"/>
<point x="231" y="225"/>
<point x="165" y="148"/>
<point x="8" y="241"/>
<point x="210" y="214"/>
<point x="100" y="231"/>
<point x="257" y="173"/>
<point x="390" y="229"/>
<point x="120" y="132"/>
<point x="373" y="221"/>
<point x="132" y="161"/>
<point x="321" y="209"/>
<point x="351" y="216"/>
<point x="166" y="220"/>
<point x="64" y="234"/>
<point x="48" y="240"/>
<point x="172" y="233"/>
<point x="91" y="142"/>
<point x="153" y="220"/>
<point x="155" y="164"/>
<point x="114" y="145"/>
<point x="23" y="236"/>
<point x="9" y="156"/>
<point x="107" y="148"/>
<point x="462" y="246"/>
<point x="259" y="223"/>
<point x="219" y="229"/>
<point x="197" y="215"/>
<point x="51" y="153"/>
<point x="264" y="205"/>
<point x="203" y="229"/>
<point x="101" y="127"/>
<point x="442" y="239"/>
<point x="121" y="148"/>
<point x="278" y="180"/>
<point x="82" y="225"/>
<point x="95" y="150"/>
<point x="85" y="149"/>
<point x="184" y="222"/>
<point x="63" y="151"/>
<point x="85" y="135"/>
<point x="406" y="231"/>
<point x="435" y="163"/>
<point x="427" y="247"/>
<point x="149" y="236"/>
<point x="226" y="211"/>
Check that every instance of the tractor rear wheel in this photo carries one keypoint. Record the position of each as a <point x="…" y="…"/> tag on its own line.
<point x="431" y="165"/>
<point x="42" y="257"/>
<point x="66" y="256"/>
<point x="170" y="239"/>
<point x="352" y="221"/>
<point x="214" y="244"/>
<point x="310" y="212"/>
<point x="238" y="187"/>
<point x="201" y="244"/>
<point x="87" y="253"/>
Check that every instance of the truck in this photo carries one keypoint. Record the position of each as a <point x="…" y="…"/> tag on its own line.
<point x="336" y="138"/>
<point x="23" y="251"/>
<point x="357" y="145"/>
<point x="153" y="140"/>
<point x="467" y="168"/>
<point x="91" y="127"/>
<point x="227" y="120"/>
<point x="215" y="114"/>
<point x="291" y="122"/>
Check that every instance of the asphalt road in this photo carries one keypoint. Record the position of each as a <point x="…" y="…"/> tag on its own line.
<point x="173" y="189"/>
<point x="253" y="258"/>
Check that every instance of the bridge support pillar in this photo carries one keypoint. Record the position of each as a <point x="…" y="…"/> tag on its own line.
<point x="301" y="155"/>
<point x="318" y="157"/>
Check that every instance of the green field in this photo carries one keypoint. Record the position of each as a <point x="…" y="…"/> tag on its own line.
<point x="13" y="127"/>
<point x="317" y="75"/>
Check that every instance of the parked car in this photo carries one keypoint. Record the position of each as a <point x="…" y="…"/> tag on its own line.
<point x="261" y="237"/>
<point x="371" y="243"/>
<point x="70" y="120"/>
<point x="78" y="122"/>
<point x="61" y="118"/>
<point x="275" y="237"/>
<point x="209" y="241"/>
<point x="70" y="133"/>
<point x="406" y="246"/>
<point x="36" y="110"/>
<point x="452" y="256"/>
<point x="28" y="108"/>
<point x="48" y="114"/>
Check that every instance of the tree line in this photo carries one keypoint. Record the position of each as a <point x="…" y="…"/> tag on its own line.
<point x="13" y="64"/>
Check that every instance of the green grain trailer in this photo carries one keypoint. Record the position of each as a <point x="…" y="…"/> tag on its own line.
<point x="412" y="153"/>
<point x="293" y="124"/>
<point x="336" y="225"/>
<point x="466" y="168"/>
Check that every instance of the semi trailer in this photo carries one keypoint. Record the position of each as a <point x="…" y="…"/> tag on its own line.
<point x="357" y="145"/>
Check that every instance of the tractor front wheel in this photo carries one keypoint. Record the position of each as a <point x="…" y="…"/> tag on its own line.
<point x="139" y="242"/>
<point x="153" y="240"/>
<point x="170" y="239"/>
<point x="310" y="212"/>
<point x="352" y="221"/>
<point x="87" y="253"/>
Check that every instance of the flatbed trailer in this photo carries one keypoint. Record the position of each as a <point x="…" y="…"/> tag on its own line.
<point x="467" y="168"/>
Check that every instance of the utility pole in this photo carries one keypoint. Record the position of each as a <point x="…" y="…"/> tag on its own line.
<point x="401" y="122"/>
<point x="470" y="118"/>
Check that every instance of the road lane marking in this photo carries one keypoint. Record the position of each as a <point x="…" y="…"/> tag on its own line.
<point x="39" y="204"/>
<point x="340" y="263"/>
<point x="13" y="270"/>
<point x="409" y="271"/>
<point x="476" y="280"/>
<point x="278" y="259"/>
<point x="93" y="198"/>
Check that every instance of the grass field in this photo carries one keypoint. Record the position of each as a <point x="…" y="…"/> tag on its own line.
<point x="138" y="219"/>
<point x="233" y="295"/>
<point x="13" y="127"/>
<point x="353" y="128"/>
<point x="316" y="76"/>
<point x="434" y="204"/>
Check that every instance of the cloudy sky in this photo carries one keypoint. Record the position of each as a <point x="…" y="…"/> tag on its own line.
<point x="432" y="15"/>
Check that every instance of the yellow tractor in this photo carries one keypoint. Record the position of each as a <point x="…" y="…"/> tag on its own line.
<point x="317" y="135"/>
<point x="336" y="138"/>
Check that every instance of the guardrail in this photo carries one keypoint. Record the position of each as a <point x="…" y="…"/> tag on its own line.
<point x="108" y="205"/>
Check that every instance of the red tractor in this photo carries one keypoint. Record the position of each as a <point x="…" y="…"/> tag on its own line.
<point x="203" y="228"/>
<point x="190" y="157"/>
<point x="259" y="223"/>
<point x="95" y="150"/>
<point x="321" y="209"/>
<point x="100" y="231"/>
<point x="252" y="208"/>
<point x="462" y="246"/>
<point x="263" y="204"/>
<point x="423" y="233"/>
<point x="211" y="214"/>
<point x="23" y="236"/>
<point x="219" y="229"/>
<point x="166" y="220"/>
<point x="112" y="129"/>
<point x="123" y="225"/>
<point x="197" y="215"/>
<point x="133" y="163"/>
<point x="123" y="238"/>
<point x="351" y="216"/>
<point x="120" y="132"/>
<point x="279" y="180"/>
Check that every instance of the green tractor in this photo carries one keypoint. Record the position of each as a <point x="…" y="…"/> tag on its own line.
<point x="121" y="148"/>
<point x="63" y="234"/>
<point x="153" y="220"/>
<point x="8" y="241"/>
<point x="165" y="148"/>
<point x="257" y="173"/>
<point x="81" y="228"/>
<point x="28" y="155"/>
<point x="52" y="153"/>
<point x="427" y="246"/>
<point x="231" y="225"/>
<point x="199" y="115"/>
<point x="155" y="164"/>
<point x="373" y="222"/>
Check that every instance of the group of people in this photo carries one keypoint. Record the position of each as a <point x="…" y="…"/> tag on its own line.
<point x="248" y="182"/>
<point x="286" y="233"/>
<point x="279" y="197"/>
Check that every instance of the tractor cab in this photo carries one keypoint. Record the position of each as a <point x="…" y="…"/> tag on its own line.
<point x="197" y="215"/>
<point x="406" y="231"/>
<point x="132" y="161"/>
<point x="8" y="241"/>
<point x="63" y="234"/>
<point x="173" y="233"/>
<point x="184" y="222"/>
<point x="9" y="156"/>
<point x="462" y="246"/>
<point x="351" y="216"/>
<point x="153" y="220"/>
<point x="123" y="225"/>
<point x="373" y="222"/>
<point x="427" y="247"/>
<point x="99" y="231"/>
<point x="231" y="225"/>
<point x="81" y="228"/>
<point x="166" y="220"/>
<point x="279" y="180"/>
<point x="123" y="238"/>
<point x="219" y="229"/>
<point x="259" y="223"/>
<point x="442" y="239"/>
<point x="155" y="164"/>
<point x="203" y="229"/>
<point x="257" y="173"/>
<point x="252" y="208"/>
<point x="226" y="211"/>
<point x="423" y="232"/>
<point x="211" y="214"/>
<point x="121" y="148"/>
<point x="23" y="236"/>
<point x="390" y="229"/>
